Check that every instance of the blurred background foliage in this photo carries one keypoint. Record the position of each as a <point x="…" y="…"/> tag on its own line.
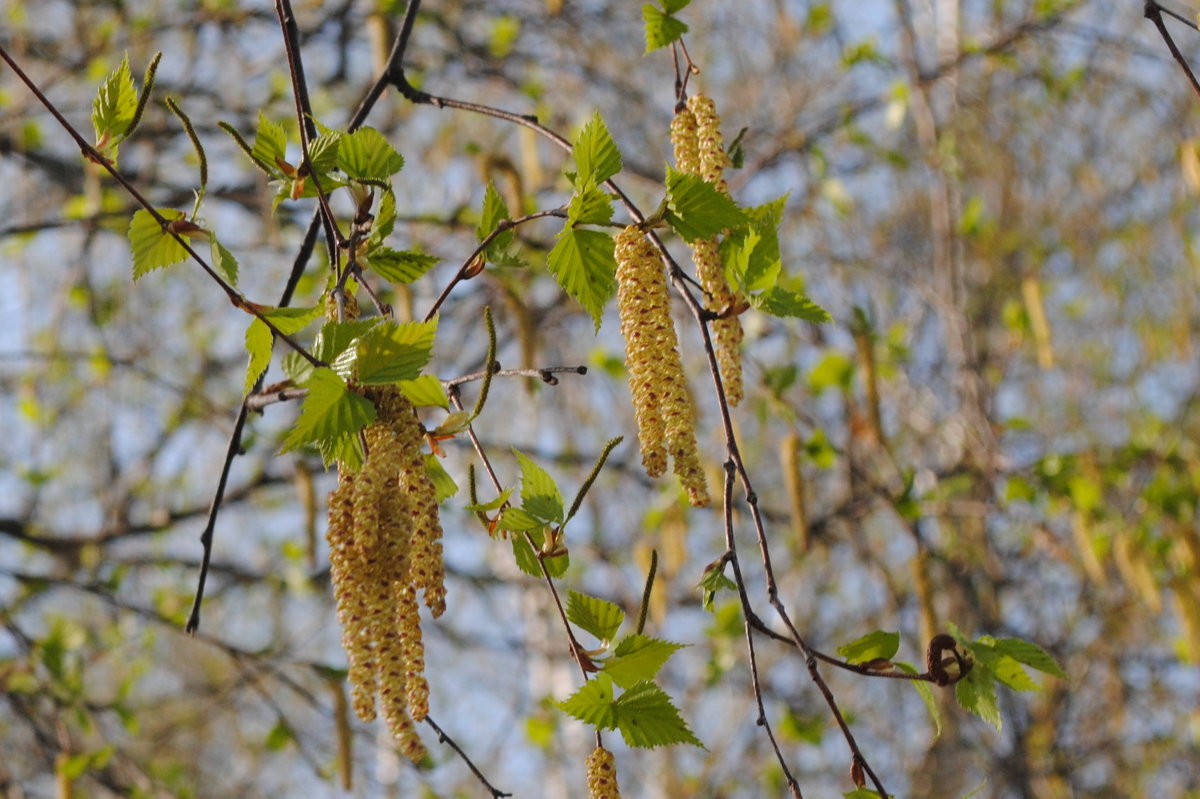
<point x="994" y="200"/>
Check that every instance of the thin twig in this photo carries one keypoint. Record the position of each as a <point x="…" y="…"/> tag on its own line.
<point x="446" y="739"/>
<point x="1153" y="12"/>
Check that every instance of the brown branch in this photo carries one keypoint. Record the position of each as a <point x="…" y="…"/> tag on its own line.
<point x="1153" y="12"/>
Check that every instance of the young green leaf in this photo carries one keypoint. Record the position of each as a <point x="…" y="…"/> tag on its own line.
<point x="589" y="206"/>
<point x="584" y="265"/>
<point x="114" y="108"/>
<point x="926" y="694"/>
<point x="518" y="520"/>
<point x="661" y="28"/>
<point x="154" y="248"/>
<point x="539" y="493"/>
<point x="495" y="211"/>
<point x="259" y="337"/>
<point x="637" y="658"/>
<point x="977" y="693"/>
<point x="425" y="391"/>
<point x="781" y="302"/>
<point x="696" y="209"/>
<point x="527" y="559"/>
<point x="393" y="351"/>
<point x="323" y="155"/>
<point x="1030" y="654"/>
<point x="484" y="507"/>
<point x="366" y="155"/>
<point x="330" y="413"/>
<point x="385" y="221"/>
<point x="270" y="145"/>
<point x="596" y="155"/>
<point x="872" y="646"/>
<point x="224" y="261"/>
<point x="442" y="481"/>
<point x="714" y="580"/>
<point x="597" y="617"/>
<point x="647" y="718"/>
<point x="593" y="703"/>
<point x="336" y="337"/>
<point x="398" y="266"/>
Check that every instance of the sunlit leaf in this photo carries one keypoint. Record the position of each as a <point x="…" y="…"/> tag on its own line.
<point x="596" y="155"/>
<point x="583" y="263"/>
<point x="638" y="657"/>
<point x="154" y="248"/>
<point x="872" y="646"/>
<point x="593" y="615"/>
<point x="365" y="154"/>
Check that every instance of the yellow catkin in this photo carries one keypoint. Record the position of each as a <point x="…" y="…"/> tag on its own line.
<point x="602" y="775"/>
<point x="350" y="590"/>
<point x="686" y="142"/>
<point x="700" y="150"/>
<point x="385" y="544"/>
<point x="665" y="417"/>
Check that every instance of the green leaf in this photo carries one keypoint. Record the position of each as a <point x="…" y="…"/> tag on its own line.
<point x="425" y="391"/>
<point x="696" y="209"/>
<point x="484" y="507"/>
<point x="597" y="617"/>
<point x="590" y="206"/>
<point x="297" y="368"/>
<point x="385" y="221"/>
<point x="977" y="693"/>
<point x="398" y="266"/>
<point x="259" y="338"/>
<point x="154" y="248"/>
<point x="494" y="212"/>
<point x="365" y="154"/>
<point x="518" y="520"/>
<point x="596" y="155"/>
<point x="539" y="493"/>
<point x="330" y="414"/>
<point x="279" y="736"/>
<point x="661" y="29"/>
<point x="393" y="351"/>
<point x="584" y="265"/>
<point x="114" y="107"/>
<point x="323" y="155"/>
<point x="647" y="718"/>
<point x="1030" y="654"/>
<point x="673" y="6"/>
<point x="784" y="303"/>
<point x="593" y="703"/>
<point x="335" y="337"/>
<point x="926" y="694"/>
<point x="861" y="793"/>
<point x="1013" y="674"/>
<point x="442" y="481"/>
<point x="637" y="658"/>
<point x="224" y="261"/>
<point x="714" y="580"/>
<point x="528" y="560"/>
<point x="871" y="646"/>
<point x="270" y="143"/>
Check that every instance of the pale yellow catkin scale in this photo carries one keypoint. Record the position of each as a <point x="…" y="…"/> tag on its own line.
<point x="602" y="775"/>
<point x="709" y="162"/>
<point x="665" y="417"/>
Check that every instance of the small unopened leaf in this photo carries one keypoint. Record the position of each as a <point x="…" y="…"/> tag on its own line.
<point x="270" y="144"/>
<point x="593" y="615"/>
<point x="977" y="693"/>
<point x="115" y="104"/>
<point x="224" y="261"/>
<point x="454" y="423"/>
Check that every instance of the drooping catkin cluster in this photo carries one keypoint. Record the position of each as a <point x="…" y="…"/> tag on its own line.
<point x="700" y="150"/>
<point x="384" y="545"/>
<point x="666" y="419"/>
<point x="602" y="775"/>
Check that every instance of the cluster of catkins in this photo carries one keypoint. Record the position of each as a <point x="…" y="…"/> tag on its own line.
<point x="384" y="546"/>
<point x="602" y="775"/>
<point x="666" y="420"/>
<point x="700" y="150"/>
